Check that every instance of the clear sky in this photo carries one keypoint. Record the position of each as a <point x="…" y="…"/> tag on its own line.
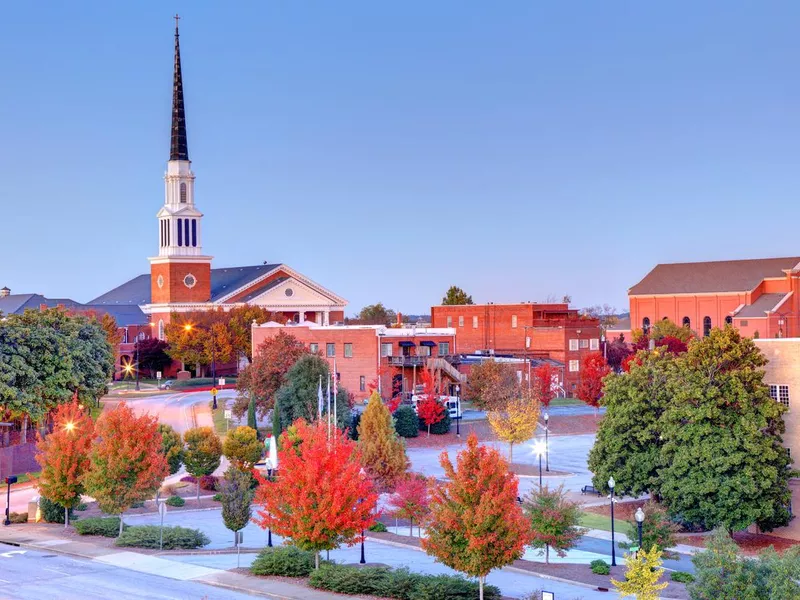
<point x="388" y="150"/>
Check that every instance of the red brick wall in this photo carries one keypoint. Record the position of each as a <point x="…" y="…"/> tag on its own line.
<point x="174" y="290"/>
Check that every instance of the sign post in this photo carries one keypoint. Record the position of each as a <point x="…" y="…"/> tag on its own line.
<point x="228" y="416"/>
<point x="162" y="510"/>
<point x="158" y="378"/>
<point x="221" y="381"/>
<point x="239" y="537"/>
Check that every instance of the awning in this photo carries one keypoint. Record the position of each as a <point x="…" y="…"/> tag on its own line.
<point x="428" y="343"/>
<point x="407" y="344"/>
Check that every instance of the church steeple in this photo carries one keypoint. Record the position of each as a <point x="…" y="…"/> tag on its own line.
<point x="179" y="148"/>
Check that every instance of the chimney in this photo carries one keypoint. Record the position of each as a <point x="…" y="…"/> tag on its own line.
<point x="399" y="319"/>
<point x="4" y="292"/>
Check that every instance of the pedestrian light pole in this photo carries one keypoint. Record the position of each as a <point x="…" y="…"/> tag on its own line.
<point x="639" y="516"/>
<point x="546" y="441"/>
<point x="458" y="411"/>
<point x="611" y="484"/>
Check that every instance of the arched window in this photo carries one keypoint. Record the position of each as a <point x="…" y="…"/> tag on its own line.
<point x="183" y="193"/>
<point x="646" y="324"/>
<point x="161" y="329"/>
<point x="687" y="322"/>
<point x="729" y="320"/>
<point x="706" y="326"/>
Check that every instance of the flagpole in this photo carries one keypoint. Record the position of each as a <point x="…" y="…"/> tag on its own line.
<point x="335" y="386"/>
<point x="329" y="406"/>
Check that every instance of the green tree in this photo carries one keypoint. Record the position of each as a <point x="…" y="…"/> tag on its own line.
<point x="297" y="398"/>
<point x="723" y="461"/>
<point x="554" y="520"/>
<point x="456" y="296"/>
<point x="377" y="314"/>
<point x="642" y="575"/>
<point x="202" y="454"/>
<point x="781" y="573"/>
<point x="628" y="442"/>
<point x="383" y="452"/>
<point x="657" y="528"/>
<point x="237" y="497"/>
<point x="242" y="447"/>
<point x="171" y="447"/>
<point x="720" y="573"/>
<point x="153" y="355"/>
<point x="664" y="328"/>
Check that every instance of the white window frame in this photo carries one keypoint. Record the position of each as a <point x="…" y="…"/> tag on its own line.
<point x="423" y="350"/>
<point x="330" y="349"/>
<point x="362" y="383"/>
<point x="513" y="321"/>
<point x="475" y="322"/>
<point x="449" y="321"/>
<point x="386" y="349"/>
<point x="594" y="344"/>
<point x="584" y="344"/>
<point x="313" y="347"/>
<point x="441" y="344"/>
<point x="573" y="345"/>
<point x="780" y="393"/>
<point x="348" y="350"/>
<point x="574" y="366"/>
<point x="461" y="321"/>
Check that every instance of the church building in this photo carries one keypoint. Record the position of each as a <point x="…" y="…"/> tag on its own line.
<point x="181" y="277"/>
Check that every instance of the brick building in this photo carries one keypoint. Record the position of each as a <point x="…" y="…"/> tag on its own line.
<point x="759" y="297"/>
<point x="372" y="355"/>
<point x="529" y="330"/>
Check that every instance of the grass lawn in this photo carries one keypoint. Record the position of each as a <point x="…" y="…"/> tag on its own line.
<point x="96" y="410"/>
<point x="28" y="476"/>
<point x="566" y="402"/>
<point x="218" y="416"/>
<point x="198" y="382"/>
<point x="594" y="521"/>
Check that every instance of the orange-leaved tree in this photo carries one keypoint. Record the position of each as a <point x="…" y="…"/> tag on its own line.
<point x="127" y="463"/>
<point x="476" y="524"/>
<point x="410" y="500"/>
<point x="64" y="456"/>
<point x="383" y="452"/>
<point x="429" y="408"/>
<point x="544" y="381"/>
<point x="590" y="387"/>
<point x="322" y="499"/>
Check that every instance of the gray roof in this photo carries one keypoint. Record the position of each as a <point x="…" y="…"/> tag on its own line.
<point x="763" y="304"/>
<point x="262" y="288"/>
<point x="223" y="282"/>
<point x="19" y="303"/>
<point x="710" y="277"/>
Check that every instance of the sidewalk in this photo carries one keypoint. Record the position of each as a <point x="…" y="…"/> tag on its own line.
<point x="621" y="537"/>
<point x="163" y="567"/>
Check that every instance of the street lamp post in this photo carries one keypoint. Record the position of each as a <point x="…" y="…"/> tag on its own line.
<point x="458" y="411"/>
<point x="136" y="347"/>
<point x="546" y="441"/>
<point x="363" y="560"/>
<point x="611" y="485"/>
<point x="639" y="516"/>
<point x="269" y="478"/>
<point x="9" y="480"/>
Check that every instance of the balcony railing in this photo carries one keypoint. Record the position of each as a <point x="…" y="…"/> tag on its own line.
<point x="419" y="361"/>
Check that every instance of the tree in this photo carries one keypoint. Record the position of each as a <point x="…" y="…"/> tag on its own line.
<point x="517" y="422"/>
<point x="781" y="572"/>
<point x="262" y="379"/>
<point x="723" y="459"/>
<point x="198" y="337"/>
<point x="298" y="397"/>
<point x="429" y="408"/>
<point x="593" y="370"/>
<point x="492" y="384"/>
<point x="456" y="296"/>
<point x="153" y="355"/>
<point x="242" y="447"/>
<point x="203" y="452"/>
<point x="171" y="447"/>
<point x="376" y="314"/>
<point x="64" y="456"/>
<point x="544" y="383"/>
<point x="475" y="523"/>
<point x="606" y="314"/>
<point x="111" y="329"/>
<point x="629" y="438"/>
<point x="236" y="498"/>
<point x="554" y="520"/>
<point x="657" y="528"/>
<point x="616" y="353"/>
<point x="642" y="575"/>
<point x="411" y="500"/>
<point x="383" y="452"/>
<point x="127" y="463"/>
<point x="321" y="500"/>
<point x="240" y="324"/>
<point x="721" y="574"/>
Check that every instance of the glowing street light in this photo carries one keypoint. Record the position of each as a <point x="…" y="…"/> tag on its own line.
<point x="69" y="426"/>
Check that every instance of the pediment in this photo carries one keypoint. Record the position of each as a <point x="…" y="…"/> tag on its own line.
<point x="291" y="292"/>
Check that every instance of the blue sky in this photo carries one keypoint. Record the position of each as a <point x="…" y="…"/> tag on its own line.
<point x="388" y="150"/>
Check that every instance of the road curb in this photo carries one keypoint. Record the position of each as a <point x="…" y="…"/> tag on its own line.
<point x="247" y="590"/>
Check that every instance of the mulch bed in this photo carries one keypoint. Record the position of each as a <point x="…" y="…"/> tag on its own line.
<point x="749" y="543"/>
<point x="623" y="510"/>
<point x="533" y="471"/>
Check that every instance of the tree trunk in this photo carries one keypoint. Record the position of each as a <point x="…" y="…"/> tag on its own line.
<point x="197" y="484"/>
<point x="480" y="587"/>
<point x="120" y="524"/>
<point x="24" y="433"/>
<point x="66" y="517"/>
<point x="412" y="527"/>
<point x="316" y="560"/>
<point x="547" y="554"/>
<point x="429" y="430"/>
<point x="510" y="453"/>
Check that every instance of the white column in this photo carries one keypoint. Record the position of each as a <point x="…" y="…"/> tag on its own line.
<point x="318" y="318"/>
<point x="327" y="318"/>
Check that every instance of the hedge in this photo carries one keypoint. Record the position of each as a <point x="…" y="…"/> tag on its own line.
<point x="147" y="536"/>
<point x="105" y="526"/>
<point x="439" y="428"/>
<point x="52" y="512"/>
<point x="285" y="561"/>
<point x="175" y="501"/>
<point x="600" y="567"/>
<point x="406" y="422"/>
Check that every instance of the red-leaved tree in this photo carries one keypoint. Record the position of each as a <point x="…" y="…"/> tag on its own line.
<point x="544" y="378"/>
<point x="64" y="456"/>
<point x="590" y="387"/>
<point x="322" y="499"/>
<point x="410" y="500"/>
<point x="476" y="524"/>
<point x="127" y="463"/>
<point x="430" y="409"/>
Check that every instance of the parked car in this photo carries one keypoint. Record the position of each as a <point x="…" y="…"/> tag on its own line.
<point x="451" y="403"/>
<point x="167" y="385"/>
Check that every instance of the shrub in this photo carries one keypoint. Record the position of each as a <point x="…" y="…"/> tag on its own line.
<point x="209" y="483"/>
<point x="217" y="497"/>
<point x="137" y="505"/>
<point x="600" y="567"/>
<point x="189" y="479"/>
<point x="52" y="512"/>
<point x="400" y="583"/>
<point x="82" y="506"/>
<point x="406" y="422"/>
<point x="175" y="501"/>
<point x="352" y="432"/>
<point x="378" y="527"/>
<point x="285" y="561"/>
<point x="147" y="536"/>
<point x="105" y="526"/>
<point x="170" y="490"/>
<point x="439" y="428"/>
<point x="682" y="577"/>
<point x="17" y="518"/>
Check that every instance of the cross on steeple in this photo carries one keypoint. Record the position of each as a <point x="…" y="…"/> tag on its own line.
<point x="177" y="18"/>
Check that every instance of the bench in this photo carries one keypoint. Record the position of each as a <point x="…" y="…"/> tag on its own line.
<point x="590" y="489"/>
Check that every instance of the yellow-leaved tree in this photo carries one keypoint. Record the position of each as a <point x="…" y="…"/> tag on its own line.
<point x="517" y="421"/>
<point x="383" y="452"/>
<point x="642" y="575"/>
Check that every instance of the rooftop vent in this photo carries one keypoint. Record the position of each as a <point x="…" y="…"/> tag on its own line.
<point x="4" y="292"/>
